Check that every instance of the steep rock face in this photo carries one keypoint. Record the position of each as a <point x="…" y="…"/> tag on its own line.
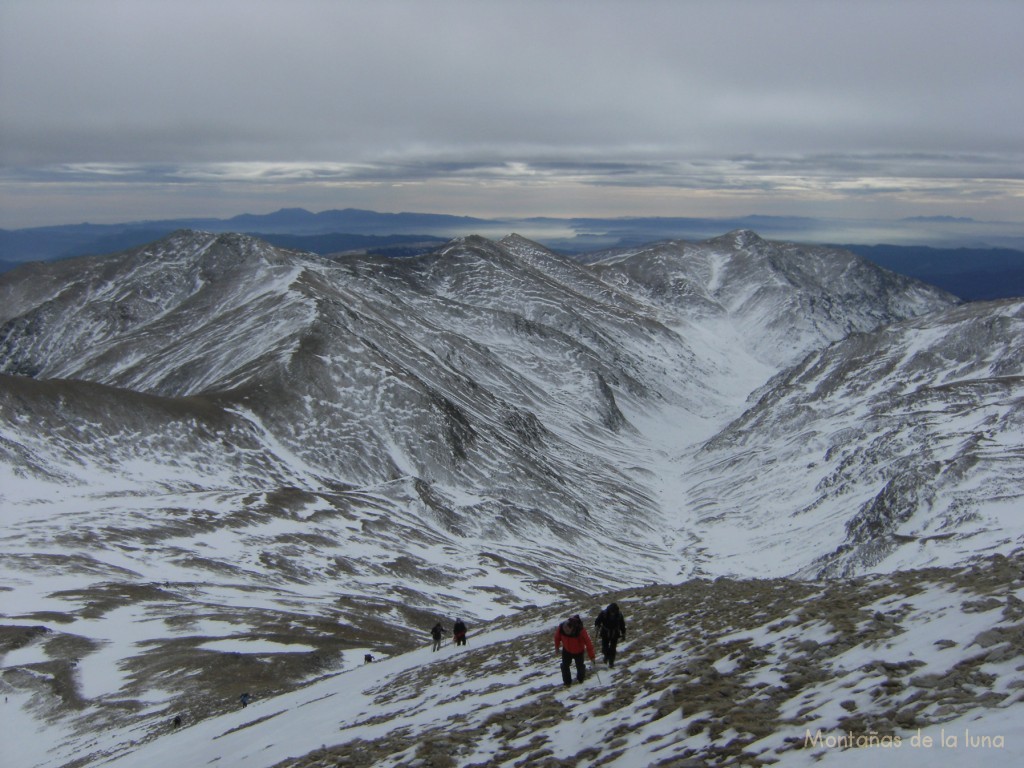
<point x="908" y="442"/>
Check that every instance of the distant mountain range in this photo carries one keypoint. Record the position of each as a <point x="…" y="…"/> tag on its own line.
<point x="971" y="272"/>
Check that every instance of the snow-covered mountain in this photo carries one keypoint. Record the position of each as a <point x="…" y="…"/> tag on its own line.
<point x="908" y="442"/>
<point x="781" y="300"/>
<point x="215" y="453"/>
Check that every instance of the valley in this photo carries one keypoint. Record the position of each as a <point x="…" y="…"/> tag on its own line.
<point x="229" y="467"/>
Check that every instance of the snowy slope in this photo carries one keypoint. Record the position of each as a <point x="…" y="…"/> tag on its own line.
<point x="908" y="442"/>
<point x="173" y="318"/>
<point x="915" y="668"/>
<point x="780" y="300"/>
<point x="225" y="466"/>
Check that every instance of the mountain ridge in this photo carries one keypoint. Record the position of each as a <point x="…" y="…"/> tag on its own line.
<point x="955" y="253"/>
<point x="212" y="439"/>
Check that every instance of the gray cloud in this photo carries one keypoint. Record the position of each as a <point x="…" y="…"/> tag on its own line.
<point x="519" y="97"/>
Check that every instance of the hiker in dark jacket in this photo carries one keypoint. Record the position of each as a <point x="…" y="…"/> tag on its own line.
<point x="459" y="632"/>
<point x="437" y="633"/>
<point x="611" y="627"/>
<point x="572" y="640"/>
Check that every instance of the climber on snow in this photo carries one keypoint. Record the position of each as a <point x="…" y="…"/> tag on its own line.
<point x="572" y="640"/>
<point x="459" y="632"/>
<point x="437" y="633"/>
<point x="611" y="627"/>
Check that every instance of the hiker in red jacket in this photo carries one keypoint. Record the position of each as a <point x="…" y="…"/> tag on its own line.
<point x="572" y="640"/>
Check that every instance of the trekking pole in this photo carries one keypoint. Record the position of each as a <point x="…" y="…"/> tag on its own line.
<point x="593" y="666"/>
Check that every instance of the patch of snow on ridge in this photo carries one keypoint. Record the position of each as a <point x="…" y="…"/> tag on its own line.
<point x="256" y="646"/>
<point x="103" y="673"/>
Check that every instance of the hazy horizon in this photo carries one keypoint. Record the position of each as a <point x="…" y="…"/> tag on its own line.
<point x="119" y="110"/>
<point x="579" y="234"/>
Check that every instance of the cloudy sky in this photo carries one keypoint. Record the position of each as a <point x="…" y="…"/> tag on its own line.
<point x="112" y="110"/>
